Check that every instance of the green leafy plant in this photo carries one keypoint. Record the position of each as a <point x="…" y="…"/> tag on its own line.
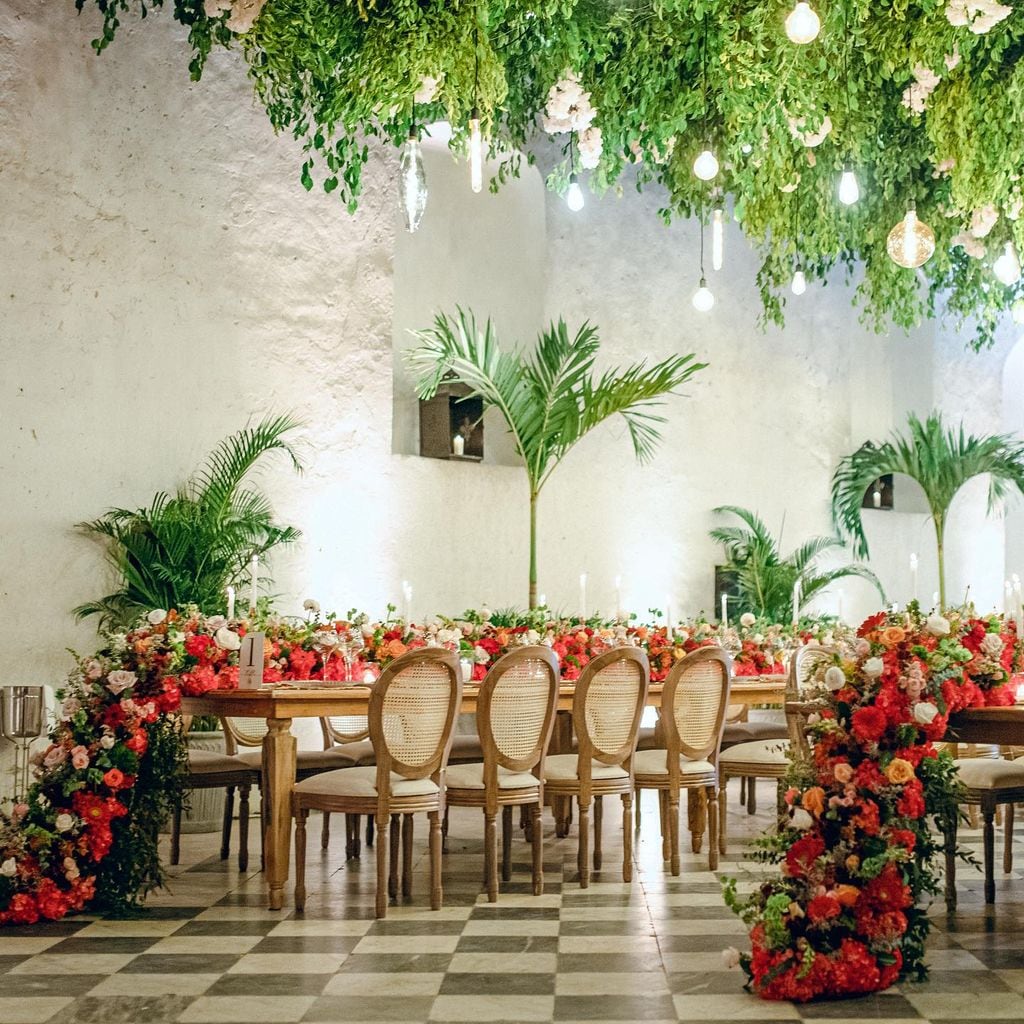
<point x="941" y="459"/>
<point x="187" y="547"/>
<point x="550" y="399"/>
<point x="765" y="579"/>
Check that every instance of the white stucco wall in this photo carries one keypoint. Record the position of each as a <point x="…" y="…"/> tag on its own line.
<point x="165" y="278"/>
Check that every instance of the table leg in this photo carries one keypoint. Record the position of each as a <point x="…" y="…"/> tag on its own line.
<point x="278" y="779"/>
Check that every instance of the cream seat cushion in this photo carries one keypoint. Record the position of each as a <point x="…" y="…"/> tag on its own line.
<point x="362" y="782"/>
<point x="204" y="762"/>
<point x="990" y="773"/>
<point x="755" y="752"/>
<point x="471" y="776"/>
<point x="655" y="762"/>
<point x="563" y="767"/>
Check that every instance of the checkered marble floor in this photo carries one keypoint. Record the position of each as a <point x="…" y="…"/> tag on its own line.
<point x="208" y="951"/>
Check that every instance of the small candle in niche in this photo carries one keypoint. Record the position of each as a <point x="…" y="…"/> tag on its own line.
<point x="583" y="597"/>
<point x="254" y="569"/>
<point x="913" y="576"/>
<point x="406" y="601"/>
<point x="458" y="445"/>
<point x="231" y="603"/>
<point x="725" y="610"/>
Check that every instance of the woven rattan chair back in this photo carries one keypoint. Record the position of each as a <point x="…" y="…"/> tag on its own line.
<point x="412" y="712"/>
<point x="608" y="704"/>
<point x="806" y="670"/>
<point x="338" y="729"/>
<point x="243" y="732"/>
<point x="516" y="708"/>
<point x="693" y="705"/>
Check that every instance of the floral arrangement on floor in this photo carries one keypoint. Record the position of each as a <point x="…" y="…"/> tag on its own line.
<point x="857" y="855"/>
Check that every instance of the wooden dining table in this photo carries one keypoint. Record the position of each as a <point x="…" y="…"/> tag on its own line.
<point x="281" y="703"/>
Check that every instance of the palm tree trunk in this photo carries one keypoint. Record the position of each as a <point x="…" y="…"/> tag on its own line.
<point x="533" y="549"/>
<point x="940" y="531"/>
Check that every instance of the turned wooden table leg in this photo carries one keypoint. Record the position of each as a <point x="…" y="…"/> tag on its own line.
<point x="278" y="779"/>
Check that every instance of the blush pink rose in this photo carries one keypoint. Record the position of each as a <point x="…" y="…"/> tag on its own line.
<point x="80" y="758"/>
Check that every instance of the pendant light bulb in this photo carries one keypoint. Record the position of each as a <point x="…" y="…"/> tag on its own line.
<point x="717" y="238"/>
<point x="802" y="24"/>
<point x="412" y="183"/>
<point x="910" y="243"/>
<point x="706" y="165"/>
<point x="849" y="190"/>
<point x="574" y="197"/>
<point x="703" y="300"/>
<point x="1007" y="267"/>
<point x="476" y="153"/>
<point x="799" y="285"/>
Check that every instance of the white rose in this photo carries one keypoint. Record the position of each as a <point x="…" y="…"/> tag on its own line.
<point x="748" y="619"/>
<point x="106" y="742"/>
<point x="310" y="605"/>
<point x="485" y="613"/>
<point x="120" y="680"/>
<point x="758" y="638"/>
<point x="801" y="819"/>
<point x="874" y="667"/>
<point x="532" y="636"/>
<point x="227" y="640"/>
<point x="480" y="656"/>
<point x="992" y="645"/>
<point x="835" y="679"/>
<point x="71" y="707"/>
<point x="683" y="634"/>
<point x="9" y="868"/>
<point x="937" y="625"/>
<point x="731" y="957"/>
<point x="64" y="823"/>
<point x="214" y="622"/>
<point x="925" y="712"/>
<point x="156" y="616"/>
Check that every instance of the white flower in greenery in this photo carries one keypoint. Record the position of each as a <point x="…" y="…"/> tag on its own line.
<point x="156" y="616"/>
<point x="801" y="819"/>
<point x="214" y="622"/>
<point x="70" y="707"/>
<point x="970" y="245"/>
<point x="244" y="14"/>
<point x="952" y="60"/>
<point x="9" y="868"/>
<point x="731" y="957"/>
<point x="310" y="605"/>
<point x="874" y="667"/>
<point x="758" y="638"/>
<point x="992" y="645"/>
<point x="589" y="147"/>
<point x="227" y="640"/>
<point x="568" y="107"/>
<point x="93" y="670"/>
<point x="747" y="619"/>
<point x="119" y="680"/>
<point x="428" y="88"/>
<point x="64" y="823"/>
<point x="924" y="712"/>
<point x="983" y="220"/>
<point x="107" y="741"/>
<point x="798" y="129"/>
<point x="480" y="656"/>
<point x="937" y="625"/>
<point x="915" y="96"/>
<point x="978" y="15"/>
<point x="835" y="679"/>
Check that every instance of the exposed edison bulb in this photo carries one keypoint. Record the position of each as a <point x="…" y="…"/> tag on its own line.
<point x="849" y="190"/>
<point x="802" y="24"/>
<point x="706" y="165"/>
<point x="703" y="300"/>
<point x="799" y="285"/>
<point x="412" y="183"/>
<point x="574" y="197"/>
<point x="1007" y="267"/>
<point x="476" y="153"/>
<point x="717" y="238"/>
<point x="910" y="243"/>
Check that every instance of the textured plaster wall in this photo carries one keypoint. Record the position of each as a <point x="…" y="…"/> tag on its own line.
<point x="165" y="278"/>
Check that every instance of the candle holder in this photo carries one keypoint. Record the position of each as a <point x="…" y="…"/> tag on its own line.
<point x="21" y="722"/>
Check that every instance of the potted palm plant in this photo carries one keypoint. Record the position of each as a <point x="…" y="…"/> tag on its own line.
<point x="550" y="398"/>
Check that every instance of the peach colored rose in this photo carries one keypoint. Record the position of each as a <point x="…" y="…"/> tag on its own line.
<point x="80" y="758"/>
<point x="892" y="635"/>
<point x="899" y="771"/>
<point x="843" y="772"/>
<point x="847" y="895"/>
<point x="813" y="800"/>
<point x="395" y="649"/>
<point x="852" y="862"/>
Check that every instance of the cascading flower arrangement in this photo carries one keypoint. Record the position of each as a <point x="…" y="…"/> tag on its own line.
<point x="857" y="856"/>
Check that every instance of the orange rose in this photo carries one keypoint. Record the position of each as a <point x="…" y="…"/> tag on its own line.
<point x="846" y="894"/>
<point x="813" y="800"/>
<point x="502" y="638"/>
<point x="899" y="771"/>
<point x="395" y="649"/>
<point x="892" y="635"/>
<point x="641" y="633"/>
<point x="852" y="862"/>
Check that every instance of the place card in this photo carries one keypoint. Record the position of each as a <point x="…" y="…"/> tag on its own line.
<point x="250" y="662"/>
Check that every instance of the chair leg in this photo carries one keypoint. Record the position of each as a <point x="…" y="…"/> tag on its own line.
<point x="325" y="833"/>
<point x="989" y="812"/>
<point x="444" y="831"/>
<point x="525" y="822"/>
<point x="537" y="839"/>
<point x="300" y="858"/>
<point x="583" y="854"/>
<point x="263" y="831"/>
<point x="673" y="833"/>
<point x="721" y="816"/>
<point x="598" y="825"/>
<point x="225" y="832"/>
<point x="712" y="828"/>
<point x="243" y="828"/>
<point x="1008" y="840"/>
<point x="491" y="856"/>
<point x="636" y="800"/>
<point x="697" y="815"/>
<point x="743" y="790"/>
<point x="176" y="835"/>
<point x="357" y="845"/>
<point x="506" y="844"/>
<point x="393" y="859"/>
<point x="436" y="892"/>
<point x="369" y="831"/>
<point x="663" y="815"/>
<point x="627" y="837"/>
<point x="751" y="795"/>
<point x="949" y="831"/>
<point x="351" y="827"/>
<point x="381" y="909"/>
<point x="407" y="828"/>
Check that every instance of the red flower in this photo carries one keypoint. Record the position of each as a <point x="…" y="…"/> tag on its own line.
<point x="887" y="891"/>
<point x="138" y="743"/>
<point x="903" y="837"/>
<point x="911" y="801"/>
<point x="867" y="818"/>
<point x="869" y="724"/>
<point x="52" y="903"/>
<point x="197" y="645"/>
<point x="823" y="908"/>
<point x="871" y="624"/>
<point x="802" y="854"/>
<point x="114" y="778"/>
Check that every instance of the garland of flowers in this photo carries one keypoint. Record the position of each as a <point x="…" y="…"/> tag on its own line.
<point x="924" y="107"/>
<point x="857" y="856"/>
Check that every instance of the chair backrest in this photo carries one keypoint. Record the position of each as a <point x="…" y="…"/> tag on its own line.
<point x="805" y="671"/>
<point x="515" y="710"/>
<point x="344" y="729"/>
<point x="607" y="707"/>
<point x="412" y="712"/>
<point x="243" y="732"/>
<point x="693" y="705"/>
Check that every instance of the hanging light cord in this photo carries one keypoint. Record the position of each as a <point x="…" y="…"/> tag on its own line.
<point x="700" y="212"/>
<point x="476" y="69"/>
<point x="846" y="72"/>
<point x="704" y="77"/>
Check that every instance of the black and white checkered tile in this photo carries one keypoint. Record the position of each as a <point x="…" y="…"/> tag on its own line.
<point x="208" y="951"/>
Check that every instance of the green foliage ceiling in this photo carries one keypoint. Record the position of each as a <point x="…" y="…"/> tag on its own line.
<point x="336" y="73"/>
